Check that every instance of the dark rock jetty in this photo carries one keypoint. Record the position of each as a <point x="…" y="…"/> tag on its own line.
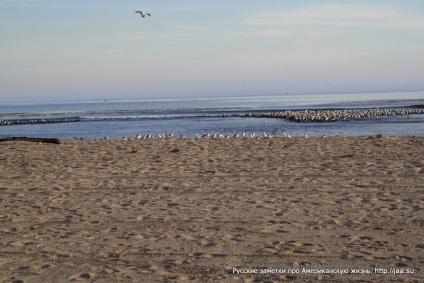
<point x="37" y="121"/>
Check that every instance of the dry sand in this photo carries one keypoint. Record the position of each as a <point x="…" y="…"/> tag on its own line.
<point x="192" y="210"/>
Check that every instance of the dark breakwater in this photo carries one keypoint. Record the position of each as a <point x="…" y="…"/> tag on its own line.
<point x="10" y="122"/>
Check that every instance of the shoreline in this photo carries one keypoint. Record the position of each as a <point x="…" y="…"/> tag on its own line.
<point x="187" y="210"/>
<point x="298" y="116"/>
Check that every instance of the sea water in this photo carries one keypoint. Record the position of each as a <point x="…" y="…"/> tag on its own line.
<point x="190" y="116"/>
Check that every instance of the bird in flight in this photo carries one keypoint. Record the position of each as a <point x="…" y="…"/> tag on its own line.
<point x="141" y="13"/>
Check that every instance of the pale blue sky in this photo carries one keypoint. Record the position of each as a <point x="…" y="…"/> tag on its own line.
<point x="101" y="49"/>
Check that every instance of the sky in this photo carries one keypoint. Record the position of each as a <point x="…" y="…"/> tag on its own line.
<point x="55" y="50"/>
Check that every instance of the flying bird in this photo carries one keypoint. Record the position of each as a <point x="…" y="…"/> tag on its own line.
<point x="141" y="13"/>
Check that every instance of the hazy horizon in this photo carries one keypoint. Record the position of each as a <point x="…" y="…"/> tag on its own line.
<point x="96" y="50"/>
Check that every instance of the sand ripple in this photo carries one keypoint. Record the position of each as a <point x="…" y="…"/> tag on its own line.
<point x="141" y="211"/>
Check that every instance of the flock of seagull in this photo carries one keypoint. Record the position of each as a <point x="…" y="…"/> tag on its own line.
<point x="244" y="135"/>
<point x="335" y="115"/>
<point x="297" y="116"/>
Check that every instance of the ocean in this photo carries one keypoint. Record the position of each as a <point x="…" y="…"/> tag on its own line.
<point x="117" y="119"/>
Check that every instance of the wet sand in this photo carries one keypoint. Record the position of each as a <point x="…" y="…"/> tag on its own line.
<point x="301" y="210"/>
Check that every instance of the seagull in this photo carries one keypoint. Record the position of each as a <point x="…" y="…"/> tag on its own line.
<point x="141" y="13"/>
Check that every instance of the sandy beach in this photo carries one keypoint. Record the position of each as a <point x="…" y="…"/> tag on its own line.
<point x="336" y="209"/>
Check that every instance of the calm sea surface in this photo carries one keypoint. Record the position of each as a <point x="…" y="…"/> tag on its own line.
<point x="119" y="118"/>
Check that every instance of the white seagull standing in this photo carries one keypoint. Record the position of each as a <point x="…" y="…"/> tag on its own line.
<point x="141" y="13"/>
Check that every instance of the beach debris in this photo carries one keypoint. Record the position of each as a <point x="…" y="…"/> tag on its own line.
<point x="46" y="140"/>
<point x="379" y="136"/>
<point x="81" y="276"/>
